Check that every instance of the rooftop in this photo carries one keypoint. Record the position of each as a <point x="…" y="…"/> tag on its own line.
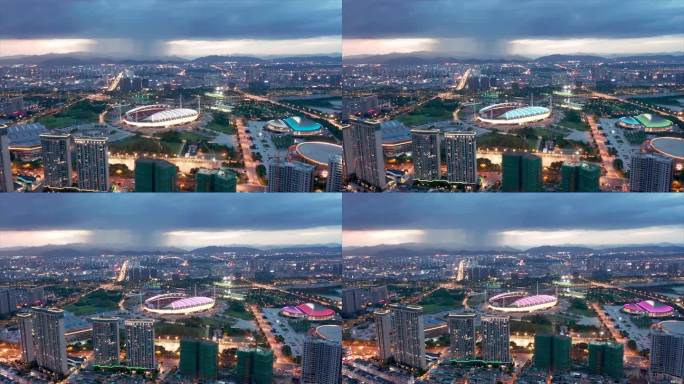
<point x="669" y="146"/>
<point x="317" y="151"/>
<point x="653" y="121"/>
<point x="298" y="124"/>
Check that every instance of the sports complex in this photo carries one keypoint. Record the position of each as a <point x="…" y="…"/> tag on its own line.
<point x="294" y="125"/>
<point x="672" y="147"/>
<point x="521" y="302"/>
<point x="512" y="114"/>
<point x="648" y="308"/>
<point x="159" y="116"/>
<point x="646" y="122"/>
<point x="317" y="152"/>
<point x="308" y="311"/>
<point x="177" y="304"/>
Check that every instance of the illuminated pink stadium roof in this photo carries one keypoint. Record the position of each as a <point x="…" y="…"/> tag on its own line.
<point x="190" y="302"/>
<point x="309" y="310"/>
<point x="648" y="306"/>
<point x="534" y="300"/>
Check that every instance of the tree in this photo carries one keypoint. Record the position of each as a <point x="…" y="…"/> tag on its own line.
<point x="261" y="170"/>
<point x="631" y="344"/>
<point x="287" y="351"/>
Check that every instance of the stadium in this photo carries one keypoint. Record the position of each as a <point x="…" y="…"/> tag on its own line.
<point x="295" y="125"/>
<point x="646" y="122"/>
<point x="159" y="116"/>
<point x="648" y="308"/>
<point x="521" y="302"/>
<point x="309" y="311"/>
<point x="512" y="114"/>
<point x="672" y="147"/>
<point x="317" y="152"/>
<point x="396" y="138"/>
<point x="177" y="304"/>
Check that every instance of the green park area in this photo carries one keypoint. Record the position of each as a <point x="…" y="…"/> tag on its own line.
<point x="195" y="327"/>
<point x="164" y="328"/>
<point x="140" y="144"/>
<point x="237" y="310"/>
<point x="672" y="100"/>
<point x="573" y="120"/>
<point x="96" y="302"/>
<point x="579" y="307"/>
<point x="321" y="102"/>
<point x="441" y="300"/>
<point x="221" y="123"/>
<point x="498" y="140"/>
<point x="430" y="112"/>
<point x="81" y="112"/>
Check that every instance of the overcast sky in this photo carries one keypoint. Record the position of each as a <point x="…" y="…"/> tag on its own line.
<point x="513" y="27"/>
<point x="149" y="28"/>
<point x="180" y="220"/>
<point x="517" y="220"/>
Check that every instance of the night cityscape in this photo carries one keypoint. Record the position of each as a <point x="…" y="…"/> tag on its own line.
<point x="121" y="101"/>
<point x="335" y="151"/>
<point x="521" y="96"/>
<point x="566" y="289"/>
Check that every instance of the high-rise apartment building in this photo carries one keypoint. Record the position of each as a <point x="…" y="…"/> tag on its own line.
<point x="409" y="335"/>
<point x="48" y="339"/>
<point x="6" y="181"/>
<point x="106" y="340"/>
<point x="461" y="157"/>
<point x="352" y="301"/>
<point x="335" y="174"/>
<point x="199" y="359"/>
<point x="363" y="155"/>
<point x="462" y="335"/>
<point x="650" y="172"/>
<point x="140" y="343"/>
<point x="552" y="352"/>
<point x="26" y="337"/>
<point x="154" y="175"/>
<point x="254" y="365"/>
<point x="383" y="333"/>
<point x="667" y="352"/>
<point x="291" y="176"/>
<point x="580" y="177"/>
<point x="522" y="172"/>
<point x="426" y="154"/>
<point x="92" y="163"/>
<point x="56" y="154"/>
<point x="321" y="361"/>
<point x="216" y="180"/>
<point x="606" y="359"/>
<point x="496" y="339"/>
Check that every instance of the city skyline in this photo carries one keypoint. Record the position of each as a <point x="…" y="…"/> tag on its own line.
<point x="498" y="29"/>
<point x="153" y="28"/>
<point x="520" y="221"/>
<point x="174" y="221"/>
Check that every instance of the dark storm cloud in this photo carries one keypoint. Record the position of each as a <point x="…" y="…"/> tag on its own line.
<point x="488" y="213"/>
<point x="170" y="19"/>
<point x="492" y="20"/>
<point x="148" y="212"/>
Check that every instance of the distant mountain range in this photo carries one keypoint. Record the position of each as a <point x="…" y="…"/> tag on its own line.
<point x="71" y="59"/>
<point x="418" y="58"/>
<point x="85" y="250"/>
<point x="422" y="250"/>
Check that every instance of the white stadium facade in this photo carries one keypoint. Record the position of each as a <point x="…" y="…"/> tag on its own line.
<point x="159" y="116"/>
<point x="512" y="114"/>
<point x="177" y="304"/>
<point x="521" y="302"/>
